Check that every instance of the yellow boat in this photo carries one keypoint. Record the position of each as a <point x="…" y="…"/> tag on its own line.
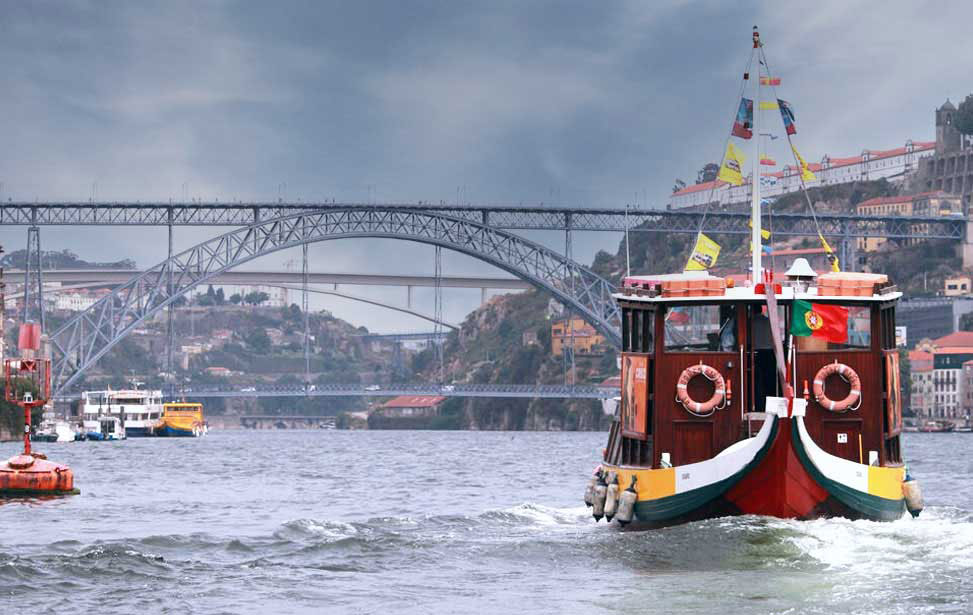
<point x="181" y="420"/>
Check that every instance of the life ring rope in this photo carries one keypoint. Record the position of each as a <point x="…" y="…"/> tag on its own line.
<point x="701" y="408"/>
<point x="852" y="401"/>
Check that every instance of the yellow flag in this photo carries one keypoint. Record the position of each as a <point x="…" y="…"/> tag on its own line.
<point x="806" y="173"/>
<point x="731" y="171"/>
<point x="763" y="232"/>
<point x="766" y="105"/>
<point x="831" y="255"/>
<point x="704" y="254"/>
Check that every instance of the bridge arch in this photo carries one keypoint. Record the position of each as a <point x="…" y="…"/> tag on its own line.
<point x="84" y="339"/>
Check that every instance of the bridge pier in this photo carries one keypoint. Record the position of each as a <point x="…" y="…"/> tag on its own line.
<point x="966" y="244"/>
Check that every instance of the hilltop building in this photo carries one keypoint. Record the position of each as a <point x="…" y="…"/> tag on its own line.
<point x="950" y="169"/>
<point x="936" y="203"/>
<point x="869" y="165"/>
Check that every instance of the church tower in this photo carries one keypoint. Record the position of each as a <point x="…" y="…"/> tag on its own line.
<point x="948" y="137"/>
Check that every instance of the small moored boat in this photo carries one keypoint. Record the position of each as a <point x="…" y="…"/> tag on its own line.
<point x="181" y="420"/>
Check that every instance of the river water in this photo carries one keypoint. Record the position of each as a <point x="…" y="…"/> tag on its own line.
<point x="450" y="522"/>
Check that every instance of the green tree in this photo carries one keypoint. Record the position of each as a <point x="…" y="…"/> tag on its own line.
<point x="964" y="116"/>
<point x="236" y="298"/>
<point x="256" y="297"/>
<point x="259" y="341"/>
<point x="12" y="415"/>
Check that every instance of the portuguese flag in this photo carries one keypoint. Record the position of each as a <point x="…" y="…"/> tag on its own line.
<point x="828" y="322"/>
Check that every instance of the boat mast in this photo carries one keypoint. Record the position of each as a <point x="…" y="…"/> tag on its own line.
<point x="755" y="175"/>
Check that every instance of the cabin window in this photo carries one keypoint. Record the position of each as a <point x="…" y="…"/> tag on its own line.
<point x="701" y="328"/>
<point x="638" y="330"/>
<point x="887" y="316"/>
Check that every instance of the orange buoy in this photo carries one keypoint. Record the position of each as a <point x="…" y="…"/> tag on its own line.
<point x="28" y="384"/>
<point x="28" y="475"/>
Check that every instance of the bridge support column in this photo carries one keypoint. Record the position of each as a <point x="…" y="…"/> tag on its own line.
<point x="34" y="263"/>
<point x="966" y="245"/>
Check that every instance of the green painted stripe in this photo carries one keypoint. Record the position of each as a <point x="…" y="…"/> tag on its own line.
<point x="870" y="506"/>
<point x="19" y="493"/>
<point x="664" y="509"/>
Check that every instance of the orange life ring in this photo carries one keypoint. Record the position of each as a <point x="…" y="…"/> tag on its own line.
<point x="849" y="375"/>
<point x="690" y="404"/>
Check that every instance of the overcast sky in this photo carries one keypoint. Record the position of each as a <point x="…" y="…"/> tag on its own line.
<point x="579" y="103"/>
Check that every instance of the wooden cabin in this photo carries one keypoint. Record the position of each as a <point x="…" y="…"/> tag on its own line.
<point x="672" y="323"/>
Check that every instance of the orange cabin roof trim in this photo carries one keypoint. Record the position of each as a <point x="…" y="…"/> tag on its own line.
<point x="414" y="401"/>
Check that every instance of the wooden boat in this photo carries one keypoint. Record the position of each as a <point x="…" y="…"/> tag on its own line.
<point x="181" y="420"/>
<point x="778" y="396"/>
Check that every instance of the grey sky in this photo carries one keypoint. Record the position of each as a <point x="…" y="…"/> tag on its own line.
<point x="579" y="103"/>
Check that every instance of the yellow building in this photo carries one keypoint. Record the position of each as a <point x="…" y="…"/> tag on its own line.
<point x="926" y="204"/>
<point x="957" y="286"/>
<point x="585" y="337"/>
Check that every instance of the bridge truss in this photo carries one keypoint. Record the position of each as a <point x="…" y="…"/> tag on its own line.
<point x="500" y="217"/>
<point x="91" y="333"/>
<point x="548" y="391"/>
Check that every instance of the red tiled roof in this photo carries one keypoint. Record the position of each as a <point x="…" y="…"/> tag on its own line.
<point x="957" y="338"/>
<point x="888" y="200"/>
<point x="614" y="381"/>
<point x="697" y="187"/>
<point x="414" y="401"/>
<point x="841" y="162"/>
<point x="955" y="350"/>
<point x="920" y="355"/>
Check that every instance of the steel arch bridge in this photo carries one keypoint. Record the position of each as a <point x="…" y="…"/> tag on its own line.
<point x="80" y="342"/>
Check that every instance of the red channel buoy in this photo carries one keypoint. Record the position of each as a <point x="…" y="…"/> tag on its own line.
<point x="26" y="475"/>
<point x="28" y="384"/>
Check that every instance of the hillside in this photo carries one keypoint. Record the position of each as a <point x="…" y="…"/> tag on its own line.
<point x="489" y="348"/>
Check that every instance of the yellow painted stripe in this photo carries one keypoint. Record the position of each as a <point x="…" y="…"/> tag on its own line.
<point x="651" y="485"/>
<point x="886" y="482"/>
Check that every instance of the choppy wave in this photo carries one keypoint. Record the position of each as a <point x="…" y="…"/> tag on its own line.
<point x="507" y="540"/>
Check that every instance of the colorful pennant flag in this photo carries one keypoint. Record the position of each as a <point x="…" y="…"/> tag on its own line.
<point x="731" y="171"/>
<point x="743" y="126"/>
<point x="787" y="113"/>
<point x="806" y="173"/>
<point x="704" y="254"/>
<point x="768" y="105"/>
<point x="770" y="81"/>
<point x="763" y="232"/>
<point x="829" y="322"/>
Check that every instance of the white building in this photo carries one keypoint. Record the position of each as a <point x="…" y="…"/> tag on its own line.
<point x="869" y="165"/>
<point x="78" y="300"/>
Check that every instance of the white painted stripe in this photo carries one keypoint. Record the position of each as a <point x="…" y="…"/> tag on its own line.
<point x="848" y="473"/>
<point x="727" y="463"/>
